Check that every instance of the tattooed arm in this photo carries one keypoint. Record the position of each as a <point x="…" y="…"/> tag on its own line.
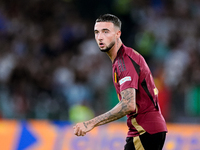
<point x="124" y="107"/>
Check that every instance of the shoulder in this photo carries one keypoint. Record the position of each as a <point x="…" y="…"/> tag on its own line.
<point x="126" y="55"/>
<point x="132" y="54"/>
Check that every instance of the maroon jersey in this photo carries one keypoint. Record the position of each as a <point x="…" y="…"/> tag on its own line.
<point x="131" y="71"/>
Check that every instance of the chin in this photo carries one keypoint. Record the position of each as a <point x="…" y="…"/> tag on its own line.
<point x="105" y="50"/>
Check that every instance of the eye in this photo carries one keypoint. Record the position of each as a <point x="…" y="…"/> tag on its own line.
<point x="96" y="32"/>
<point x="106" y="31"/>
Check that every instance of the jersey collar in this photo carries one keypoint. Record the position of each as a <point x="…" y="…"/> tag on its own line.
<point x="119" y="52"/>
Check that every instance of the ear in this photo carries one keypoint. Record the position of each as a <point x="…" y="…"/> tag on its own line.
<point x="118" y="34"/>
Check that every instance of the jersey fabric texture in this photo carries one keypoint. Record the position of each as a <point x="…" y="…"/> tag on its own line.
<point x="130" y="70"/>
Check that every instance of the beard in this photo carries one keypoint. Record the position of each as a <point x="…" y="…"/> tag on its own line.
<point x="108" y="47"/>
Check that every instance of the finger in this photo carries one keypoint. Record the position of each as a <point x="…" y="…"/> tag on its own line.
<point x="83" y="133"/>
<point x="79" y="132"/>
<point x="76" y="130"/>
<point x="75" y="126"/>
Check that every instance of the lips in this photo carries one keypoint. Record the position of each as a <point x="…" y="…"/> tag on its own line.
<point x="101" y="45"/>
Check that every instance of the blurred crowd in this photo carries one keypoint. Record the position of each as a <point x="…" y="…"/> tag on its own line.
<point x="51" y="67"/>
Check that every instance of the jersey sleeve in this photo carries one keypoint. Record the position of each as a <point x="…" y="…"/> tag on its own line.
<point x="128" y="75"/>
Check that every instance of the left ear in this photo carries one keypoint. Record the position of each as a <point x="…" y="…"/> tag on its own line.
<point x="118" y="34"/>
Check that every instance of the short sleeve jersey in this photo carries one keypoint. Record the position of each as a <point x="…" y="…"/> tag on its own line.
<point x="130" y="70"/>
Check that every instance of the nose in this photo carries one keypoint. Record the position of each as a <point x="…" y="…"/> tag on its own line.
<point x="100" y="36"/>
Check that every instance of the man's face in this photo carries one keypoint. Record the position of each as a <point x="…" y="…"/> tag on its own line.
<point x="105" y="35"/>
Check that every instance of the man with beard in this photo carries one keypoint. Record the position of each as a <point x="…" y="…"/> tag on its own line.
<point x="137" y="93"/>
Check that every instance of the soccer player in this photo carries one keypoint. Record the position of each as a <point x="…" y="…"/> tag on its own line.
<point x="135" y="88"/>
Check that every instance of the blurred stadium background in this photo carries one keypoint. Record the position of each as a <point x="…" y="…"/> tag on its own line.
<point x="52" y="73"/>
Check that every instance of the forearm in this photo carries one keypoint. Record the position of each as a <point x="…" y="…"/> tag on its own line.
<point x="124" y="107"/>
<point x="116" y="113"/>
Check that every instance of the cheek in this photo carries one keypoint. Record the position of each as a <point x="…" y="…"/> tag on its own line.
<point x="111" y="38"/>
<point x="96" y="38"/>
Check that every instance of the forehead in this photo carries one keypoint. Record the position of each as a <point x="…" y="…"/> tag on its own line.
<point x="103" y="25"/>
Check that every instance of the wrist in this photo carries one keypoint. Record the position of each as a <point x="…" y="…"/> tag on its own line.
<point x="89" y="123"/>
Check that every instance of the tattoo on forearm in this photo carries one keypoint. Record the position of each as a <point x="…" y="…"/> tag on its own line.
<point x="85" y="125"/>
<point x="124" y="107"/>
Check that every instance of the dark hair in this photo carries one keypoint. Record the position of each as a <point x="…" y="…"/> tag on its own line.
<point x="110" y="18"/>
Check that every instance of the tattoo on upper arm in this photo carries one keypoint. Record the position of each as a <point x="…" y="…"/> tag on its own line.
<point x="128" y="95"/>
<point x="128" y="98"/>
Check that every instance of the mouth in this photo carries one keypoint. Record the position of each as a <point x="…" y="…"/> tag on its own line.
<point x="101" y="45"/>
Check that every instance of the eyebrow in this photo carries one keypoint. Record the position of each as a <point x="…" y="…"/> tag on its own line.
<point x="102" y="29"/>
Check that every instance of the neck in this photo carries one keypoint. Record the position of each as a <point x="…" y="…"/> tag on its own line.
<point x="112" y="53"/>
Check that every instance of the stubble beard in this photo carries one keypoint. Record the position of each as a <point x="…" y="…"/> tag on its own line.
<point x="108" y="47"/>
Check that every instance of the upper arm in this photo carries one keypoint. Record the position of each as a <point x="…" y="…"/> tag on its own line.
<point x="127" y="73"/>
<point x="128" y="96"/>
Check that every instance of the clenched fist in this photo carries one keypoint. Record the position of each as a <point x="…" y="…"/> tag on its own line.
<point x="80" y="129"/>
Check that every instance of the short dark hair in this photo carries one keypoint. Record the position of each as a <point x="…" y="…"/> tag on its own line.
<point x="110" y="18"/>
